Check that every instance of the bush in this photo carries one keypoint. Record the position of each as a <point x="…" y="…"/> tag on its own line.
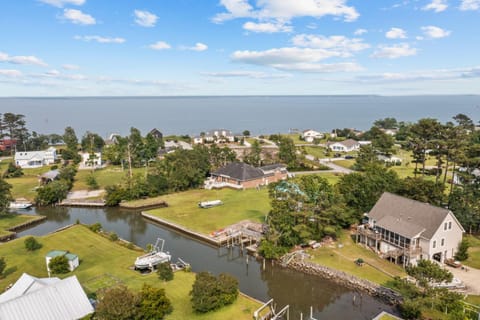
<point x="114" y="195"/>
<point x="96" y="227"/>
<point x="52" y="193"/>
<point x="410" y="309"/>
<point x="12" y="171"/>
<point x="462" y="253"/>
<point x="113" y="236"/>
<point x="165" y="271"/>
<point x="3" y="265"/>
<point x="92" y="182"/>
<point x="31" y="244"/>
<point x="59" y="265"/>
<point x="211" y="293"/>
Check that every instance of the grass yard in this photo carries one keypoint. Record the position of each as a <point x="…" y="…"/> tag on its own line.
<point x="110" y="175"/>
<point x="473" y="252"/>
<point x="10" y="220"/>
<point x="347" y="163"/>
<point x="250" y="204"/>
<point x="317" y="152"/>
<point x="343" y="259"/>
<point x="105" y="263"/>
<point x="25" y="186"/>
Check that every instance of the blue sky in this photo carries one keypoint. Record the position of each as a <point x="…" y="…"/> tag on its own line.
<point x="238" y="47"/>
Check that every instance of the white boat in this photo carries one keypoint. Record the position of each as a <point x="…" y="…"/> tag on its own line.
<point x="155" y="257"/>
<point x="20" y="205"/>
<point x="210" y="204"/>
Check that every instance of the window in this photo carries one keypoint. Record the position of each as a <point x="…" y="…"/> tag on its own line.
<point x="445" y="226"/>
<point x="443" y="242"/>
<point x="434" y="244"/>
<point x="450" y="225"/>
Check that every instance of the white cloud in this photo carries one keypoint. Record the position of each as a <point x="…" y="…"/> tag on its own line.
<point x="21" y="60"/>
<point x="198" y="47"/>
<point x="340" y="44"/>
<point x="433" y="32"/>
<point x="78" y="17"/>
<point x="70" y="67"/>
<point x="396" y="33"/>
<point x="267" y="27"/>
<point x="145" y="18"/>
<point x="160" y="45"/>
<point x="395" y="51"/>
<point x="359" y="32"/>
<point x="246" y="74"/>
<point x="62" y="3"/>
<point x="100" y="39"/>
<point x="10" y="73"/>
<point x="295" y="59"/>
<point x="285" y="10"/>
<point x="470" y="5"/>
<point x="436" y="5"/>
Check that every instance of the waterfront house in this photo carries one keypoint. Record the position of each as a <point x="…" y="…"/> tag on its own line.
<point x="156" y="134"/>
<point x="35" y="159"/>
<point x="90" y="160"/>
<point x="344" y="146"/>
<point x="310" y="135"/>
<point x="72" y="258"/>
<point x="45" y="298"/>
<point x="49" y="176"/>
<point x="239" y="175"/>
<point x="407" y="231"/>
<point x="215" y="136"/>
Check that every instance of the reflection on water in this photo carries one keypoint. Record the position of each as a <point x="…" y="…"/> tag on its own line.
<point x="300" y="291"/>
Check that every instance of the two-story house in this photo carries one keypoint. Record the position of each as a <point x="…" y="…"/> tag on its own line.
<point x="406" y="230"/>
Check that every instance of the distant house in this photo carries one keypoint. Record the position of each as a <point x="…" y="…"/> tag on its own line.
<point x="35" y="159"/>
<point x="171" y="146"/>
<point x="215" y="136"/>
<point x="458" y="178"/>
<point x="48" y="177"/>
<point x="72" y="258"/>
<point x="112" y="139"/>
<point x="156" y="134"/>
<point x="344" y="146"/>
<point x="391" y="159"/>
<point x="89" y="162"/>
<point x="407" y="231"/>
<point x="7" y="144"/>
<point x="44" y="298"/>
<point x="310" y="135"/>
<point x="239" y="175"/>
<point x="390" y="132"/>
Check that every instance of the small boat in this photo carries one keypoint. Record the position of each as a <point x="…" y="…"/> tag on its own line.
<point x="20" y="204"/>
<point x="155" y="257"/>
<point x="210" y="204"/>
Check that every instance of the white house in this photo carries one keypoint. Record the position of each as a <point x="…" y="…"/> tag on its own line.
<point x="407" y="231"/>
<point x="89" y="162"/>
<point x="310" y="135"/>
<point x="72" y="258"/>
<point x="215" y="136"/>
<point x="35" y="159"/>
<point x="344" y="146"/>
<point x="45" y="298"/>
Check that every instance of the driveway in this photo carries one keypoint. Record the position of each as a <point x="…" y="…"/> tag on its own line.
<point x="470" y="278"/>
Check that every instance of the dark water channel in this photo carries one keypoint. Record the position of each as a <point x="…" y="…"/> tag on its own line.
<point x="300" y="291"/>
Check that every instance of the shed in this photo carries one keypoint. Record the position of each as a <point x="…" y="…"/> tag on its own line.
<point x="73" y="261"/>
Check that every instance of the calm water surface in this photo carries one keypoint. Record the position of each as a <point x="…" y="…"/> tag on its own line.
<point x="300" y="291"/>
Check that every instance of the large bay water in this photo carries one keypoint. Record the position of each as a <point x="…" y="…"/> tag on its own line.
<point x="259" y="114"/>
<point x="300" y="291"/>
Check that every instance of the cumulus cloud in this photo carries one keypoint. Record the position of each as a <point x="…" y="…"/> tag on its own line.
<point x="197" y="47"/>
<point x="10" y="73"/>
<point x="62" y="3"/>
<point x="436" y="5"/>
<point x="394" y="51"/>
<point x="396" y="33"/>
<point x="285" y="10"/>
<point x="70" y="67"/>
<point x="100" y="39"/>
<point x="78" y="17"/>
<point x="433" y="32"/>
<point x="160" y="45"/>
<point x="470" y="5"/>
<point x="246" y="74"/>
<point x="21" y="60"/>
<point x="145" y="18"/>
<point x="359" y="32"/>
<point x="340" y="44"/>
<point x="267" y="27"/>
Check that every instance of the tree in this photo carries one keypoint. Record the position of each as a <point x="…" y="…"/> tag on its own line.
<point x="14" y="125"/>
<point x="5" y="195"/>
<point x="286" y="151"/>
<point x="387" y="123"/>
<point x="13" y="171"/>
<point x="92" y="182"/>
<point x="52" y="193"/>
<point x="31" y="244"/>
<point x="59" y="265"/>
<point x="366" y="157"/>
<point x="426" y="272"/>
<point x="380" y="140"/>
<point x="424" y="132"/>
<point x="246" y="133"/>
<point x="153" y="303"/>
<point x="254" y="157"/>
<point x="116" y="303"/>
<point x="422" y="190"/>
<point x="92" y="142"/>
<point x="211" y="293"/>
<point x="71" y="140"/>
<point x="165" y="271"/>
<point x="462" y="252"/>
<point x="3" y="266"/>
<point x="464" y="203"/>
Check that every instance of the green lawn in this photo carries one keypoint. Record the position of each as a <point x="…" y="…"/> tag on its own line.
<point x="104" y="263"/>
<point x="25" y="186"/>
<point x="343" y="259"/>
<point x="473" y="252"/>
<point x="10" y="220"/>
<point x="318" y="152"/>
<point x="110" y="175"/>
<point x="250" y="204"/>
<point x="347" y="163"/>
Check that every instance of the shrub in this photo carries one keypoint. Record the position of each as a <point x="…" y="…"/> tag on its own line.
<point x="117" y="303"/>
<point x="3" y="265"/>
<point x="52" y="193"/>
<point x="153" y="303"/>
<point x="462" y="253"/>
<point x="13" y="171"/>
<point x="165" y="271"/>
<point x="92" y="182"/>
<point x="59" y="265"/>
<point x="411" y="309"/>
<point x="96" y="227"/>
<point x="113" y="236"/>
<point x="31" y="244"/>
<point x="114" y="195"/>
<point x="211" y="293"/>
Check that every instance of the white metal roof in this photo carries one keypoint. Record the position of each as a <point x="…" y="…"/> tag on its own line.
<point x="45" y="299"/>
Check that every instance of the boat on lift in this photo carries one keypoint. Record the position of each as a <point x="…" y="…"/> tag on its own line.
<point x="155" y="257"/>
<point x="20" y="204"/>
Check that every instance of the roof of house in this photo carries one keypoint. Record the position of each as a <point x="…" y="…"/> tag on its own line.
<point x="239" y="171"/>
<point x="49" y="298"/>
<point x="30" y="155"/>
<point x="407" y="217"/>
<point x="211" y="133"/>
<point x="66" y="254"/>
<point x="50" y="175"/>
<point x="349" y="143"/>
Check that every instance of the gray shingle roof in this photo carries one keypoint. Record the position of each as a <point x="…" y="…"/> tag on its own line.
<point x="239" y="171"/>
<point x="406" y="216"/>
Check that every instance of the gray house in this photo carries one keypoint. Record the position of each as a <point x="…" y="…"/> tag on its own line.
<point x="406" y="230"/>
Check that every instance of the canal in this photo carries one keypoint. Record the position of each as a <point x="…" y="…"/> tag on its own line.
<point x="328" y="299"/>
